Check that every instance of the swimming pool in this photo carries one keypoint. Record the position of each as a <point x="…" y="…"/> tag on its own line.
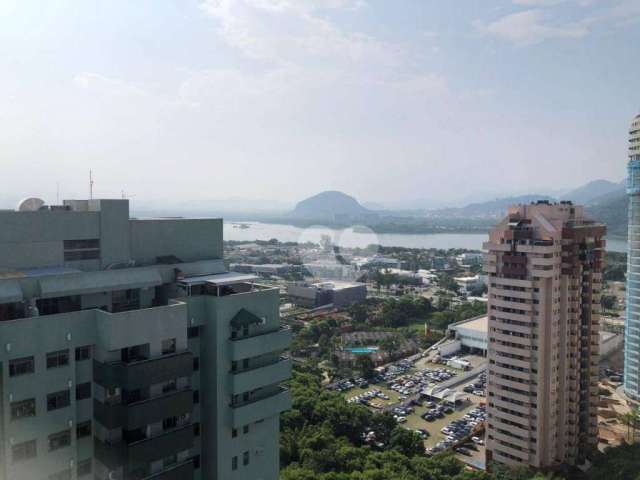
<point x="363" y="350"/>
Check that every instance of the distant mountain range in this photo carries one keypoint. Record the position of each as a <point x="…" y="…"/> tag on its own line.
<point x="604" y="201"/>
<point x="330" y="205"/>
<point x="611" y="209"/>
<point x="592" y="191"/>
<point x="492" y="209"/>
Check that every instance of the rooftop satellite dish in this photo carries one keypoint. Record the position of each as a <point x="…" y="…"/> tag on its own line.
<point x="31" y="204"/>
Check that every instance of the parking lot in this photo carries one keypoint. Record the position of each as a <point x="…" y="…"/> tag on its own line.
<point x="448" y="422"/>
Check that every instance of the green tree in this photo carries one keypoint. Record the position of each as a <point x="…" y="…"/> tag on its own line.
<point x="406" y="442"/>
<point x="365" y="366"/>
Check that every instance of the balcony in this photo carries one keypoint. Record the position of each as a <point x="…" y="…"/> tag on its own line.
<point x="262" y="376"/>
<point x="182" y="471"/>
<point x="266" y="407"/>
<point x="144" y="451"/>
<point x="261" y="344"/>
<point x="133" y="375"/>
<point x="145" y="412"/>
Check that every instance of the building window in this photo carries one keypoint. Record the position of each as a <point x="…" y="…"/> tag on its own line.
<point x="169" y="423"/>
<point x="193" y="332"/>
<point x="135" y="353"/>
<point x="21" y="366"/>
<point x="245" y="458"/>
<point x="196" y="429"/>
<point x="234" y="463"/>
<point x="83" y="429"/>
<point x="81" y="249"/>
<point x="196" y="364"/>
<point x="170" y="386"/>
<point x="58" y="400"/>
<point x="83" y="391"/>
<point x="196" y="462"/>
<point x="83" y="353"/>
<point x="168" y="346"/>
<point x="196" y="396"/>
<point x="84" y="468"/>
<point x="170" y="460"/>
<point x="63" y="475"/>
<point x="125" y="300"/>
<point x="245" y="429"/>
<point x="23" y="451"/>
<point x="234" y="433"/>
<point x="58" y="359"/>
<point x="59" y="440"/>
<point x="23" y="408"/>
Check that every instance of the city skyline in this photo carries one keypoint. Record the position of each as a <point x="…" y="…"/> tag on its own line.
<point x="357" y="87"/>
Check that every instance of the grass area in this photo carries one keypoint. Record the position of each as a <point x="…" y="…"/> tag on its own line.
<point x="415" y="422"/>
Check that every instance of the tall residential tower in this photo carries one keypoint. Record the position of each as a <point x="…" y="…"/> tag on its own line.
<point x="544" y="263"/>
<point x="128" y="352"/>
<point x="632" y="324"/>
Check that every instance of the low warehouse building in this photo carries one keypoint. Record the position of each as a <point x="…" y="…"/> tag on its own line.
<point x="472" y="334"/>
<point x="338" y="294"/>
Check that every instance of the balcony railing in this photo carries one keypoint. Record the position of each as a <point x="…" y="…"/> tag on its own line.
<point x="261" y="343"/>
<point x="144" y="412"/>
<point x="144" y="372"/>
<point x="262" y="376"/>
<point x="267" y="406"/>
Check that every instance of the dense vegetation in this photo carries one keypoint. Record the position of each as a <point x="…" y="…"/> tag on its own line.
<point x="615" y="266"/>
<point x="321" y="439"/>
<point x="620" y="463"/>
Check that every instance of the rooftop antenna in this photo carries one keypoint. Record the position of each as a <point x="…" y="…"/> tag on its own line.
<point x="90" y="185"/>
<point x="57" y="193"/>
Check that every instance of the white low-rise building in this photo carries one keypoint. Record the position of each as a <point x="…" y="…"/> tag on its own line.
<point x="472" y="334"/>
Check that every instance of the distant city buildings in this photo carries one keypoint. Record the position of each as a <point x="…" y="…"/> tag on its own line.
<point x="377" y="262"/>
<point x="469" y="258"/>
<point x="338" y="294"/>
<point x="128" y="351"/>
<point x="544" y="263"/>
<point x="466" y="285"/>
<point x="632" y="323"/>
<point x="266" y="270"/>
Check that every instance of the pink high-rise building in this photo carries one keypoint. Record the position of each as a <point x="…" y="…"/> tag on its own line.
<point x="544" y="264"/>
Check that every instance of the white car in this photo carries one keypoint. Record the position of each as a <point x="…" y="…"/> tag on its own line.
<point x="477" y="440"/>
<point x="401" y="419"/>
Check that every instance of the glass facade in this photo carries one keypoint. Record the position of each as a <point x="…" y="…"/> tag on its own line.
<point x="632" y="323"/>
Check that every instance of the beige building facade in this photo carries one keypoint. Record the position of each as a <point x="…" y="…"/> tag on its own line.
<point x="544" y="263"/>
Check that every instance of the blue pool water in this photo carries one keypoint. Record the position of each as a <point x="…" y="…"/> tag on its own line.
<point x="363" y="350"/>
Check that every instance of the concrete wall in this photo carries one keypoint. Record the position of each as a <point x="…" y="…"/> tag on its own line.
<point x="34" y="239"/>
<point x="189" y="240"/>
<point x="215" y="314"/>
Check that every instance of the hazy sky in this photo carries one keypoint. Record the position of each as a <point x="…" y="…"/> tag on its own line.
<point x="273" y="100"/>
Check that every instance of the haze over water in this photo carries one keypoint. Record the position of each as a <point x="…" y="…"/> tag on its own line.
<point x="364" y="237"/>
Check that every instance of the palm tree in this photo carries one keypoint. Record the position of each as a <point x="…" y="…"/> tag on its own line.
<point x="630" y="419"/>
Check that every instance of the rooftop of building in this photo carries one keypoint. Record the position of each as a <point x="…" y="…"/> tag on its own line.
<point x="336" y="285"/>
<point x="478" y="324"/>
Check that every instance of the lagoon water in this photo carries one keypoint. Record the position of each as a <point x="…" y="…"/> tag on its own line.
<point x="361" y="237"/>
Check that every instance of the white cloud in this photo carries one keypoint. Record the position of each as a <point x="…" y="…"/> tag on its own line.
<point x="538" y="3"/>
<point x="540" y="22"/>
<point x="105" y="85"/>
<point x="289" y="31"/>
<point x="531" y="27"/>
